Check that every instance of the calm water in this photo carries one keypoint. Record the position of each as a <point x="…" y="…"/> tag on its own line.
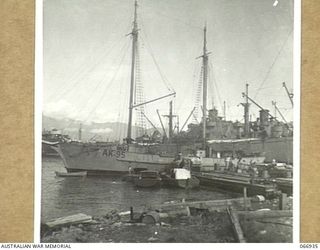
<point x="98" y="195"/>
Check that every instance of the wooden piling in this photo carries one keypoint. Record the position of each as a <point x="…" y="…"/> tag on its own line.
<point x="236" y="226"/>
<point x="265" y="214"/>
<point x="283" y="201"/>
<point x="245" y="197"/>
<point x="131" y="213"/>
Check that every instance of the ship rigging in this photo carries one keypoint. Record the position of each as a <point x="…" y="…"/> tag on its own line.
<point x="135" y="84"/>
<point x="115" y="158"/>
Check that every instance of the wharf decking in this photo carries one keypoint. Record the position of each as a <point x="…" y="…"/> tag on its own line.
<point x="236" y="183"/>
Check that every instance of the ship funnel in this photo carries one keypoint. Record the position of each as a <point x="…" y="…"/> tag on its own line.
<point x="264" y="117"/>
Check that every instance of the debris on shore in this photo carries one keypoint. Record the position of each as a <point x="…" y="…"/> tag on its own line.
<point x="206" y="222"/>
<point x="205" y="227"/>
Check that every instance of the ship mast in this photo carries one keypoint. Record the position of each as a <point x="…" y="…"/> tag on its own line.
<point x="204" y="93"/>
<point x="246" y="106"/>
<point x="80" y="132"/>
<point x="134" y="34"/>
<point x="170" y="116"/>
<point x="170" y="122"/>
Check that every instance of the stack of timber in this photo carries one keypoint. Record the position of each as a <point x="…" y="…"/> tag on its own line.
<point x="183" y="207"/>
<point x="69" y="220"/>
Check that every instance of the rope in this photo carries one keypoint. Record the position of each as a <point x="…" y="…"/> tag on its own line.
<point x="106" y="88"/>
<point x="163" y="77"/>
<point x="216" y="85"/>
<point x="85" y="69"/>
<point x="109" y="84"/>
<point x="82" y="75"/>
<point x="122" y="106"/>
<point x="103" y="79"/>
<point x="211" y="85"/>
<point x="91" y="93"/>
<point x="198" y="96"/>
<point x="273" y="63"/>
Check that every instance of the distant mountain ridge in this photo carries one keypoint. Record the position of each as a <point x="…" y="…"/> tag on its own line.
<point x="107" y="131"/>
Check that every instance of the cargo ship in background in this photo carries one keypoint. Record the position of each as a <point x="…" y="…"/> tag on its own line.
<point x="50" y="137"/>
<point x="211" y="140"/>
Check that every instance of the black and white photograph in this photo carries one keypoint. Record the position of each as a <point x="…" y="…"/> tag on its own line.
<point x="168" y="121"/>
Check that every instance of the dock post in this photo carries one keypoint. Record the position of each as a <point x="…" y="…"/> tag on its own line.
<point x="131" y="213"/>
<point x="188" y="211"/>
<point x="245" y="198"/>
<point x="283" y="201"/>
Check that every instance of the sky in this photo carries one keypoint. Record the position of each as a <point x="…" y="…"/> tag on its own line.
<point x="87" y="56"/>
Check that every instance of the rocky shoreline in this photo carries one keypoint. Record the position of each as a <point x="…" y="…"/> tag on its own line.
<point x="204" y="227"/>
<point x="183" y="226"/>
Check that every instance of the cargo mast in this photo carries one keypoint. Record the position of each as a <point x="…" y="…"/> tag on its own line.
<point x="170" y="116"/>
<point x="246" y="106"/>
<point x="134" y="34"/>
<point x="134" y="77"/>
<point x="80" y="132"/>
<point x="204" y="93"/>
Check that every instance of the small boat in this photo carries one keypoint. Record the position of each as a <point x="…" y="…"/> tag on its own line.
<point x="181" y="178"/>
<point x="133" y="173"/>
<point x="73" y="174"/>
<point x="147" y="178"/>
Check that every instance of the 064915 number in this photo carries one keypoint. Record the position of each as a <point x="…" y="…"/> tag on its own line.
<point x="309" y="245"/>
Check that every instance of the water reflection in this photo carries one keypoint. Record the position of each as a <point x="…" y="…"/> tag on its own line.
<point x="98" y="195"/>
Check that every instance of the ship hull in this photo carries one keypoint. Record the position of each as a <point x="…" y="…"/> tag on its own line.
<point x="106" y="160"/>
<point x="96" y="160"/>
<point x="110" y="160"/>
<point x="279" y="149"/>
<point x="73" y="174"/>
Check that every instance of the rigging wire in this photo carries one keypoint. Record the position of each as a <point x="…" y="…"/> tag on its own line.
<point x="198" y="96"/>
<point x="109" y="84"/>
<point x="195" y="119"/>
<point x="105" y="89"/>
<point x="80" y="70"/>
<point x="216" y="85"/>
<point x="122" y="105"/>
<point x="194" y="86"/>
<point x="103" y="48"/>
<point x="102" y="80"/>
<point x="211" y="88"/>
<point x="125" y="104"/>
<point x="84" y="70"/>
<point x="163" y="77"/>
<point x="273" y="63"/>
<point x="67" y="90"/>
<point x="114" y="125"/>
<point x="139" y="96"/>
<point x="90" y="94"/>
